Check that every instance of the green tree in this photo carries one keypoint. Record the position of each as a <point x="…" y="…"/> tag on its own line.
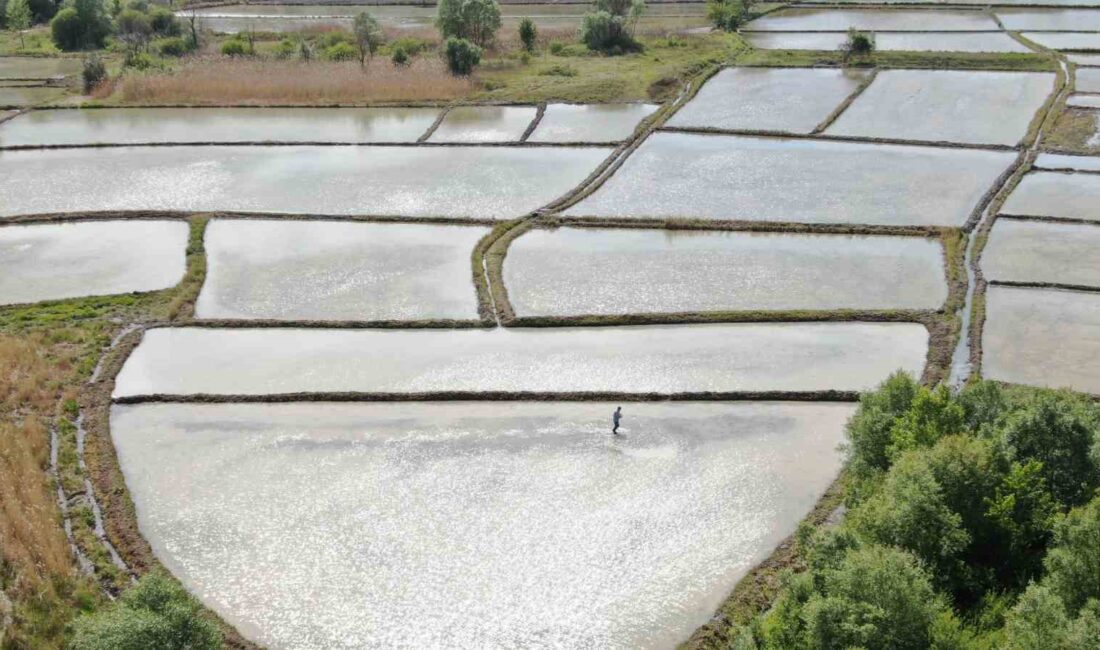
<point x="134" y="29"/>
<point x="932" y="415"/>
<point x="1039" y="622"/>
<point x="462" y="55"/>
<point x="1022" y="511"/>
<point x="18" y="18"/>
<point x="868" y="431"/>
<point x="910" y="512"/>
<point x="473" y="20"/>
<point x="154" y="613"/>
<point x="609" y="27"/>
<point x="83" y="26"/>
<point x="1073" y="562"/>
<point x="368" y="36"/>
<point x="528" y="34"/>
<point x="726" y="15"/>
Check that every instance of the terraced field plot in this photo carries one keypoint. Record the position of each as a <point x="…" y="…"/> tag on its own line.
<point x="599" y="123"/>
<point x="573" y="271"/>
<point x="1072" y="20"/>
<point x="309" y="270"/>
<point x="805" y="181"/>
<point x="946" y="105"/>
<point x="485" y="124"/>
<point x="488" y="183"/>
<point x="1042" y="337"/>
<point x="1056" y="194"/>
<point x="840" y="20"/>
<point x="1083" y="101"/>
<point x="195" y="125"/>
<point x="1041" y="252"/>
<point x="649" y="359"/>
<point x="18" y="96"/>
<point x="746" y="99"/>
<point x="1065" y="40"/>
<point x="891" y="41"/>
<point x="1050" y="161"/>
<point x="488" y="524"/>
<point x="54" y="261"/>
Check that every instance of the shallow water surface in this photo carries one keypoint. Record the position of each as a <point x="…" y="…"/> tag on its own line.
<point x="1065" y="41"/>
<point x="573" y="271"/>
<point x="839" y="20"/>
<point x="1083" y="101"/>
<point x="36" y="67"/>
<point x="1031" y="251"/>
<point x="1064" y="161"/>
<point x="484" y="124"/>
<point x="1056" y="194"/>
<point x="29" y="96"/>
<point x="496" y="182"/>
<point x="1090" y="60"/>
<point x="946" y="106"/>
<point x="658" y="359"/>
<point x="590" y="122"/>
<point x="792" y="100"/>
<point x="55" y="261"/>
<point x="1042" y="337"/>
<point x="1078" y="20"/>
<point x="316" y="270"/>
<point x="488" y="525"/>
<point x="183" y="125"/>
<point x="1087" y="80"/>
<point x="890" y="42"/>
<point x="806" y="181"/>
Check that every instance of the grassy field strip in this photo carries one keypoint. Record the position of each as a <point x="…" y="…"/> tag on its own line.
<point x="832" y="117"/>
<point x="534" y="123"/>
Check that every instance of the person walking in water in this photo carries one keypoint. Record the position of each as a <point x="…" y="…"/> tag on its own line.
<point x="615" y="417"/>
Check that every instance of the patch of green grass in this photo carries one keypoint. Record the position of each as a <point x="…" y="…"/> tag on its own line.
<point x="1072" y="131"/>
<point x="37" y="41"/>
<point x="939" y="60"/>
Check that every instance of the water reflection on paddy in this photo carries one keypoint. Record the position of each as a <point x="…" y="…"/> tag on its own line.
<point x="489" y="525"/>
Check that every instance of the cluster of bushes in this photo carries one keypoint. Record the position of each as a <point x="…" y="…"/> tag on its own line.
<point x="728" y="15"/>
<point x="973" y="523"/>
<point x="154" y="613"/>
<point x="609" y="27"/>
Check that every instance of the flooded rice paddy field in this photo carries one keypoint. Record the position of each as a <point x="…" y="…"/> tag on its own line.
<point x="643" y="359"/>
<point x="1051" y="161"/>
<point x="54" y="261"/>
<point x="33" y="67"/>
<point x="484" y="124"/>
<point x="1042" y="337"/>
<point x="947" y="105"/>
<point x="840" y="20"/>
<point x="599" y="123"/>
<point x="1088" y="60"/>
<point x="1056" y="194"/>
<point x="1042" y="252"/>
<point x="805" y="181"/>
<point x="20" y="96"/>
<point x="482" y="182"/>
<point x="310" y="270"/>
<point x="746" y="99"/>
<point x="571" y="271"/>
<point x="1064" y="40"/>
<point x="196" y="125"/>
<point x="1087" y="80"/>
<point x="488" y="525"/>
<point x="1055" y="20"/>
<point x="1083" y="101"/>
<point x="891" y="41"/>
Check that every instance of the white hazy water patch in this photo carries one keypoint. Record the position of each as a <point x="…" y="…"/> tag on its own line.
<point x="55" y="261"/>
<point x="475" y="525"/>
<point x="1064" y="161"/>
<point x="790" y="100"/>
<point x="184" y="125"/>
<point x="1086" y="80"/>
<point x="590" y="122"/>
<point x="805" y="19"/>
<point x="891" y="41"/>
<point x="478" y="182"/>
<point x="1056" y="194"/>
<point x="1083" y="101"/>
<point x="644" y="359"/>
<point x="947" y="106"/>
<point x="1065" y="41"/>
<point x="1073" y="20"/>
<point x="679" y="175"/>
<point x="1035" y="251"/>
<point x="484" y="124"/>
<point x="329" y="270"/>
<point x="573" y="271"/>
<point x="1042" y="337"/>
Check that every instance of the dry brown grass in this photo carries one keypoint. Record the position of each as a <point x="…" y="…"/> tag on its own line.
<point x="260" y="82"/>
<point x="31" y="541"/>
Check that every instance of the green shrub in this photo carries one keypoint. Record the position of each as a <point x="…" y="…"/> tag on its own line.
<point x="726" y="15"/>
<point x="558" y="71"/>
<point x="859" y="42"/>
<point x="341" y="52"/>
<point x="335" y="38"/>
<point x="236" y="47"/>
<point x="174" y="46"/>
<point x="154" y="613"/>
<point x="610" y="27"/>
<point x="556" y="47"/>
<point x="528" y="34"/>
<point x="82" y="26"/>
<point x="134" y="29"/>
<point x="43" y="10"/>
<point x="472" y="20"/>
<point x="399" y="56"/>
<point x="412" y="45"/>
<point x="93" y="73"/>
<point x="1073" y="563"/>
<point x="164" y="22"/>
<point x="462" y="56"/>
<point x="286" y="48"/>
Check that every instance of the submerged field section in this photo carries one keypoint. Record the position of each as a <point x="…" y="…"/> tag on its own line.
<point x="383" y="416"/>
